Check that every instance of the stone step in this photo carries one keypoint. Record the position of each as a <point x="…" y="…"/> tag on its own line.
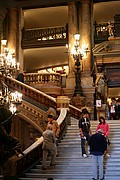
<point x="73" y="130"/>
<point x="83" y="178"/>
<point x="71" y="176"/>
<point x="75" y="170"/>
<point x="79" y="166"/>
<point x="71" y="165"/>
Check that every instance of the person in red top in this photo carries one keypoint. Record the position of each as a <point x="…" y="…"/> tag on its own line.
<point x="105" y="128"/>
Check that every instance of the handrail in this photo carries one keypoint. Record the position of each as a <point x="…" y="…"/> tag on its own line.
<point x="34" y="153"/>
<point x="63" y="113"/>
<point x="29" y="87"/>
<point x="38" y="96"/>
<point x="35" y="150"/>
<point x="74" y="111"/>
<point x="30" y="92"/>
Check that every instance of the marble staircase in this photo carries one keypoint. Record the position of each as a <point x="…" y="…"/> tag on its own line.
<point x="71" y="165"/>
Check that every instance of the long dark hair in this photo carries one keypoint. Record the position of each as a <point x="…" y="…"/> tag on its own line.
<point x="101" y="117"/>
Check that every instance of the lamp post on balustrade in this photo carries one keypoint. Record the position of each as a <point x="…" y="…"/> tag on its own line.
<point x="78" y="87"/>
<point x="78" y="53"/>
<point x="77" y="56"/>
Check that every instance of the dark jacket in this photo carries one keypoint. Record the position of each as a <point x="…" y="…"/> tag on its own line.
<point x="20" y="77"/>
<point x="84" y="125"/>
<point x="98" y="144"/>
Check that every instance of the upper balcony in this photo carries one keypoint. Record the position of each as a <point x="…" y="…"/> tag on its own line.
<point x="58" y="36"/>
<point x="48" y="37"/>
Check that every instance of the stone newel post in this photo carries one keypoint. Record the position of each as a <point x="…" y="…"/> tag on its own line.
<point x="63" y="102"/>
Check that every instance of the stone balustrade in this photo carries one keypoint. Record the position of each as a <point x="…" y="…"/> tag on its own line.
<point x="54" y="79"/>
<point x="34" y="152"/>
<point x="38" y="96"/>
<point x="30" y="92"/>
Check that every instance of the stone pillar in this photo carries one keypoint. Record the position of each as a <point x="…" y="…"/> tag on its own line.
<point x="12" y="29"/>
<point x="86" y="32"/>
<point x="3" y="12"/>
<point x="14" y="34"/>
<point x="20" y="50"/>
<point x="85" y="28"/>
<point x="72" y="29"/>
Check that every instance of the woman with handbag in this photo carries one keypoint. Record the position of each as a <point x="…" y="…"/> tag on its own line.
<point x="105" y="128"/>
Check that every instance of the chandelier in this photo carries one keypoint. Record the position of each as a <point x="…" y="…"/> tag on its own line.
<point x="8" y="98"/>
<point x="9" y="102"/>
<point x="8" y="67"/>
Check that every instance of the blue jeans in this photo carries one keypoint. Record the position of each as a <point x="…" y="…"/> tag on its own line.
<point x="83" y="142"/>
<point x="97" y="166"/>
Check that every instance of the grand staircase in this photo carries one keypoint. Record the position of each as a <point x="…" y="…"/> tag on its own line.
<point x="71" y="165"/>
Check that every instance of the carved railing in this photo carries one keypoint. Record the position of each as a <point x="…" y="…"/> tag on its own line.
<point x="33" y="115"/>
<point x="74" y="111"/>
<point x="56" y="36"/>
<point x="105" y="30"/>
<point x="31" y="93"/>
<point x="54" y="79"/>
<point x="38" y="96"/>
<point x="43" y="37"/>
<point x="34" y="152"/>
<point x="100" y="32"/>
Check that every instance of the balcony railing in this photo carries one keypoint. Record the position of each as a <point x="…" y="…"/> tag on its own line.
<point x="100" y="32"/>
<point x="57" y="36"/>
<point x="44" y="37"/>
<point x="43" y="78"/>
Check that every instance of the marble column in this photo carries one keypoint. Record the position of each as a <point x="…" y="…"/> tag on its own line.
<point x="72" y="29"/>
<point x="86" y="33"/>
<point x="86" y="41"/>
<point x="14" y="34"/>
<point x="3" y="12"/>
<point x="12" y="29"/>
<point x="20" y="50"/>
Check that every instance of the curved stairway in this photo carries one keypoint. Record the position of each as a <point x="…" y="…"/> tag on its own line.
<point x="69" y="162"/>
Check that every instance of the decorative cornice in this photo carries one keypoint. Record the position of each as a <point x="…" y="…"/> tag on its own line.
<point x="33" y="115"/>
<point x="107" y="48"/>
